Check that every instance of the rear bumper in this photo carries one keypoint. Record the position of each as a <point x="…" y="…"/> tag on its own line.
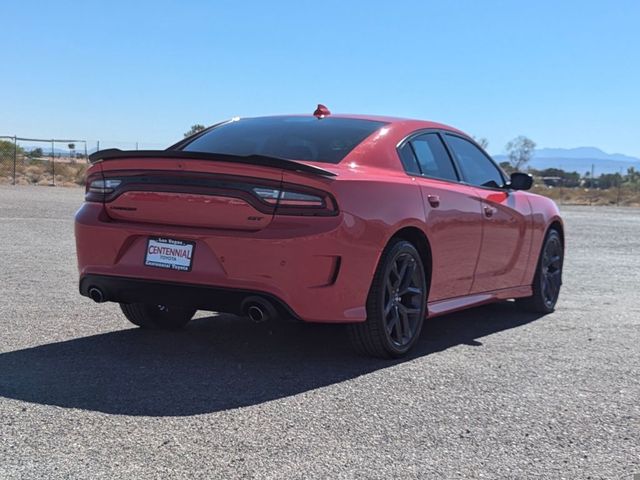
<point x="315" y="269"/>
<point x="132" y="290"/>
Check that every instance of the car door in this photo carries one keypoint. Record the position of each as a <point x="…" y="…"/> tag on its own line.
<point x="453" y="214"/>
<point x="506" y="235"/>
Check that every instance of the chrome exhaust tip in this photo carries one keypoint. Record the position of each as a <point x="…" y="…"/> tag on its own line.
<point x="256" y="313"/>
<point x="258" y="309"/>
<point x="96" y="295"/>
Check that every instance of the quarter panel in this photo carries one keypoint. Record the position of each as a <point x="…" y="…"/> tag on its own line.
<point x="376" y="209"/>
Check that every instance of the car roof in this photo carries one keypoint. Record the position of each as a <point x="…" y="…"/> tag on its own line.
<point x="380" y="118"/>
<point x="368" y="151"/>
<point x="402" y="123"/>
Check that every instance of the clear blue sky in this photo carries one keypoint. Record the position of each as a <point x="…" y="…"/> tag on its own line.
<point x="565" y="73"/>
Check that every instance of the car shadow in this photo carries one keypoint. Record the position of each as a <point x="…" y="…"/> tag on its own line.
<point x="217" y="363"/>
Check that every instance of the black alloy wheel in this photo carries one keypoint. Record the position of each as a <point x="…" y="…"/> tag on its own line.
<point x="551" y="274"/>
<point x="404" y="288"/>
<point x="396" y="306"/>
<point x="548" y="277"/>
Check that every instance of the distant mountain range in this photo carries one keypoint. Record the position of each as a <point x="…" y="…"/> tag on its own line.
<point x="580" y="160"/>
<point x="46" y="148"/>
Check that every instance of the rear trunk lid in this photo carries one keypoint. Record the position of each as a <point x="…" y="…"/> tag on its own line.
<point x="193" y="189"/>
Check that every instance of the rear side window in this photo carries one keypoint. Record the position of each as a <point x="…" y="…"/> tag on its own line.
<point x="433" y="158"/>
<point x="326" y="140"/>
<point x="476" y="167"/>
<point x="408" y="159"/>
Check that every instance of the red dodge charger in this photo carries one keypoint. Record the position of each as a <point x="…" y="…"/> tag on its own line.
<point x="372" y="221"/>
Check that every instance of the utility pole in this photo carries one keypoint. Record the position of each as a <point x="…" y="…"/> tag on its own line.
<point x="561" y="184"/>
<point x="619" y="187"/>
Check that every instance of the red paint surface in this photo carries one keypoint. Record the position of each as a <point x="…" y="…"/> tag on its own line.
<point x="476" y="258"/>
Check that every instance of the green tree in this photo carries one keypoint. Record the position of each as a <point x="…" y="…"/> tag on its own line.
<point x="552" y="172"/>
<point x="506" y="166"/>
<point x="520" y="151"/>
<point x="632" y="178"/>
<point x="587" y="181"/>
<point x="569" y="179"/>
<point x="7" y="149"/>
<point x="483" y="142"/>
<point x="194" y="129"/>
<point x="609" y="180"/>
<point x="36" y="153"/>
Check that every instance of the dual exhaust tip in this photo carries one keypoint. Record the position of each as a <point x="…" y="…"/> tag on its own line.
<point x="96" y="295"/>
<point x="258" y="309"/>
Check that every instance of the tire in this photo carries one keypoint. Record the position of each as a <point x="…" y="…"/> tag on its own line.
<point x="548" y="278"/>
<point x="157" y="317"/>
<point x="394" y="319"/>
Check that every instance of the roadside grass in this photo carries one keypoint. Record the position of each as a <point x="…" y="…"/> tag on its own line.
<point x="626" y="196"/>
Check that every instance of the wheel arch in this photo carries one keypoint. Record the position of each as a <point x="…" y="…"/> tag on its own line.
<point x="556" y="224"/>
<point x="419" y="240"/>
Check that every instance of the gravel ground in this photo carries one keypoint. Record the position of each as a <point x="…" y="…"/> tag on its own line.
<point x="490" y="393"/>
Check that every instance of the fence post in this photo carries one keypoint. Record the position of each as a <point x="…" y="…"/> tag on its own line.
<point x="15" y="156"/>
<point x="53" y="162"/>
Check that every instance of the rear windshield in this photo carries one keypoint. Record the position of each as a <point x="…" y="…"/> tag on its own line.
<point x="326" y="140"/>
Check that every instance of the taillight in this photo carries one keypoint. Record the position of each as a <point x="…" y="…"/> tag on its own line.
<point x="292" y="202"/>
<point x="107" y="185"/>
<point x="98" y="187"/>
<point x="267" y="197"/>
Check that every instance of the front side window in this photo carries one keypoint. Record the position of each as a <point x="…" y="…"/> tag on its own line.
<point x="476" y="167"/>
<point x="326" y="140"/>
<point x="433" y="158"/>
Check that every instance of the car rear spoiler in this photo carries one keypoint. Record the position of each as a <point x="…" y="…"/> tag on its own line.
<point x="262" y="160"/>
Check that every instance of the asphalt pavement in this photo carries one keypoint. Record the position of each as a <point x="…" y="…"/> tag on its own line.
<point x="490" y="393"/>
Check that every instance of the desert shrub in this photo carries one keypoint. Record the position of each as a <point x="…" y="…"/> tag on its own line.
<point x="34" y="173"/>
<point x="40" y="172"/>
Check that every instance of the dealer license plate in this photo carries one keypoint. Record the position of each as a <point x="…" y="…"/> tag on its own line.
<point x="169" y="253"/>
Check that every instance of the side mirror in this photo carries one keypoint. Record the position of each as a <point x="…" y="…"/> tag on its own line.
<point x="520" y="181"/>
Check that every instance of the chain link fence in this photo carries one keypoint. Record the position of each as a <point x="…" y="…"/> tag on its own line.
<point x="125" y="145"/>
<point x="36" y="161"/>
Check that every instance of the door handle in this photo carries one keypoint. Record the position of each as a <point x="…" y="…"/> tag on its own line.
<point x="434" y="200"/>
<point x="489" y="211"/>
